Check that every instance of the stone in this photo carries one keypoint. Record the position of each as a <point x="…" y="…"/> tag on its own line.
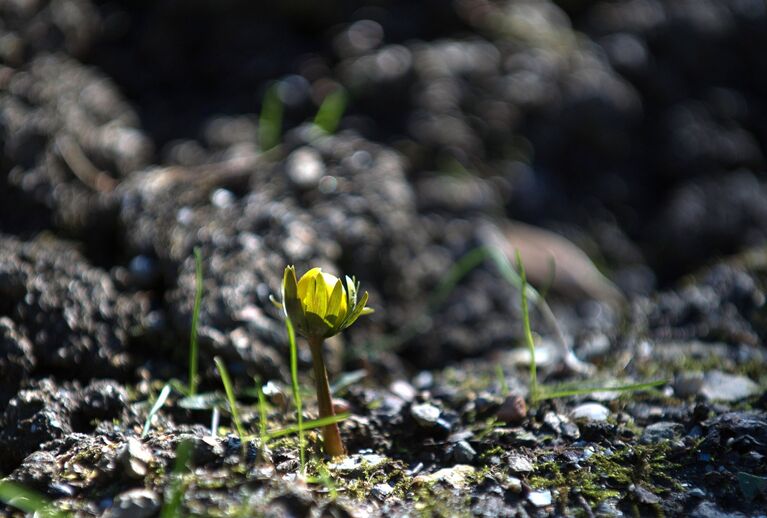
<point x="305" y="167"/>
<point x="540" y="498"/>
<point x="513" y="410"/>
<point x="719" y="386"/>
<point x="381" y="491"/>
<point x="520" y="464"/>
<point x="425" y="414"/>
<point x="456" y="476"/>
<point x="590" y="412"/>
<point x="463" y="453"/>
<point x="135" y="503"/>
<point x="135" y="458"/>
<point x="662" y="431"/>
<point x="688" y="384"/>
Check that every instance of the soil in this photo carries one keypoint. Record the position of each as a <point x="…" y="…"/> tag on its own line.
<point x="618" y="145"/>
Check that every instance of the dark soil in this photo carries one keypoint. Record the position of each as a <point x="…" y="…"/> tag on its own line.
<point x="619" y="145"/>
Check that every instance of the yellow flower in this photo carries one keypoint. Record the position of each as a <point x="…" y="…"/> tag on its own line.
<point x="319" y="305"/>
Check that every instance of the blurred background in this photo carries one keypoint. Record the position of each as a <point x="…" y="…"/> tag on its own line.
<point x="635" y="129"/>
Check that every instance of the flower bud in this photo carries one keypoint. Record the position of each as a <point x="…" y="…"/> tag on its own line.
<point x="319" y="305"/>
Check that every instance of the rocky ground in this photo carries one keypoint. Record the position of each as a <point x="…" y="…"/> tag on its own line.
<point x="624" y="134"/>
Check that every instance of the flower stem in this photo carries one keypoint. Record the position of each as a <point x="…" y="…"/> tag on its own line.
<point x="331" y="436"/>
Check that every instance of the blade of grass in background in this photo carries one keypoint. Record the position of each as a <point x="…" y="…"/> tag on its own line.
<point x="307" y="425"/>
<point x="504" y="386"/>
<point x="229" y="389"/>
<point x="330" y="111"/>
<point x="28" y="501"/>
<point x="296" y="390"/>
<point x="528" y="332"/>
<point x="158" y="404"/>
<point x="558" y="392"/>
<point x="262" y="413"/>
<point x="193" y="347"/>
<point x="270" y="120"/>
<point x="172" y="506"/>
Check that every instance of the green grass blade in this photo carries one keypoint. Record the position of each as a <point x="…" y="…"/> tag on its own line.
<point x="330" y="112"/>
<point x="501" y="376"/>
<point x="307" y="425"/>
<point x="193" y="346"/>
<point x="28" y="501"/>
<point x="527" y="331"/>
<point x="229" y="389"/>
<point x="296" y="390"/>
<point x="580" y="391"/>
<point x="172" y="506"/>
<point x="158" y="404"/>
<point x="270" y="120"/>
<point x="262" y="413"/>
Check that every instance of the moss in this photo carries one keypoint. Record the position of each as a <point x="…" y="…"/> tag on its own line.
<point x="608" y="474"/>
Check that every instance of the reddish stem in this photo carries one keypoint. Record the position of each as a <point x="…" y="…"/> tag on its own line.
<point x="331" y="436"/>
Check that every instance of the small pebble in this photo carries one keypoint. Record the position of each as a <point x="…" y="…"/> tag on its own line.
<point x="135" y="458"/>
<point x="520" y="464"/>
<point x="381" y="491"/>
<point x="513" y="410"/>
<point x="135" y="503"/>
<point x="455" y="476"/>
<point x="590" y="412"/>
<point x="662" y="431"/>
<point x="540" y="498"/>
<point x="425" y="414"/>
<point x="688" y="384"/>
<point x="463" y="453"/>
<point x="719" y="386"/>
<point x="305" y="167"/>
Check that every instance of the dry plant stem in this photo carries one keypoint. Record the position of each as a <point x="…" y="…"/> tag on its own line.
<point x="331" y="436"/>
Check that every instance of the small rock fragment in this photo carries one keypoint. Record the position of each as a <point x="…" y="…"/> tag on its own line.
<point x="688" y="384"/>
<point x="513" y="484"/>
<point x="381" y="491"/>
<point x="590" y="412"/>
<point x="540" y="498"/>
<point x="463" y="453"/>
<point x="719" y="386"/>
<point x="662" y="431"/>
<point x="403" y="390"/>
<point x="513" y="410"/>
<point x="135" y="458"/>
<point x="520" y="464"/>
<point x="135" y="503"/>
<point x="457" y="476"/>
<point x="425" y="414"/>
<point x="305" y="167"/>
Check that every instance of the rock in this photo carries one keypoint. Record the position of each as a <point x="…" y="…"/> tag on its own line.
<point x="541" y="498"/>
<point x="643" y="496"/>
<point x="456" y="476"/>
<point x="520" y="464"/>
<point x="135" y="458"/>
<point x="381" y="491"/>
<point x="305" y="167"/>
<point x="662" y="431"/>
<point x="719" y="386"/>
<point x="463" y="453"/>
<point x="356" y="462"/>
<point x="707" y="509"/>
<point x="590" y="412"/>
<point x="403" y="390"/>
<point x="135" y="503"/>
<point x="425" y="414"/>
<point x="513" y="484"/>
<point x="513" y="410"/>
<point x="688" y="384"/>
<point x="16" y="360"/>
